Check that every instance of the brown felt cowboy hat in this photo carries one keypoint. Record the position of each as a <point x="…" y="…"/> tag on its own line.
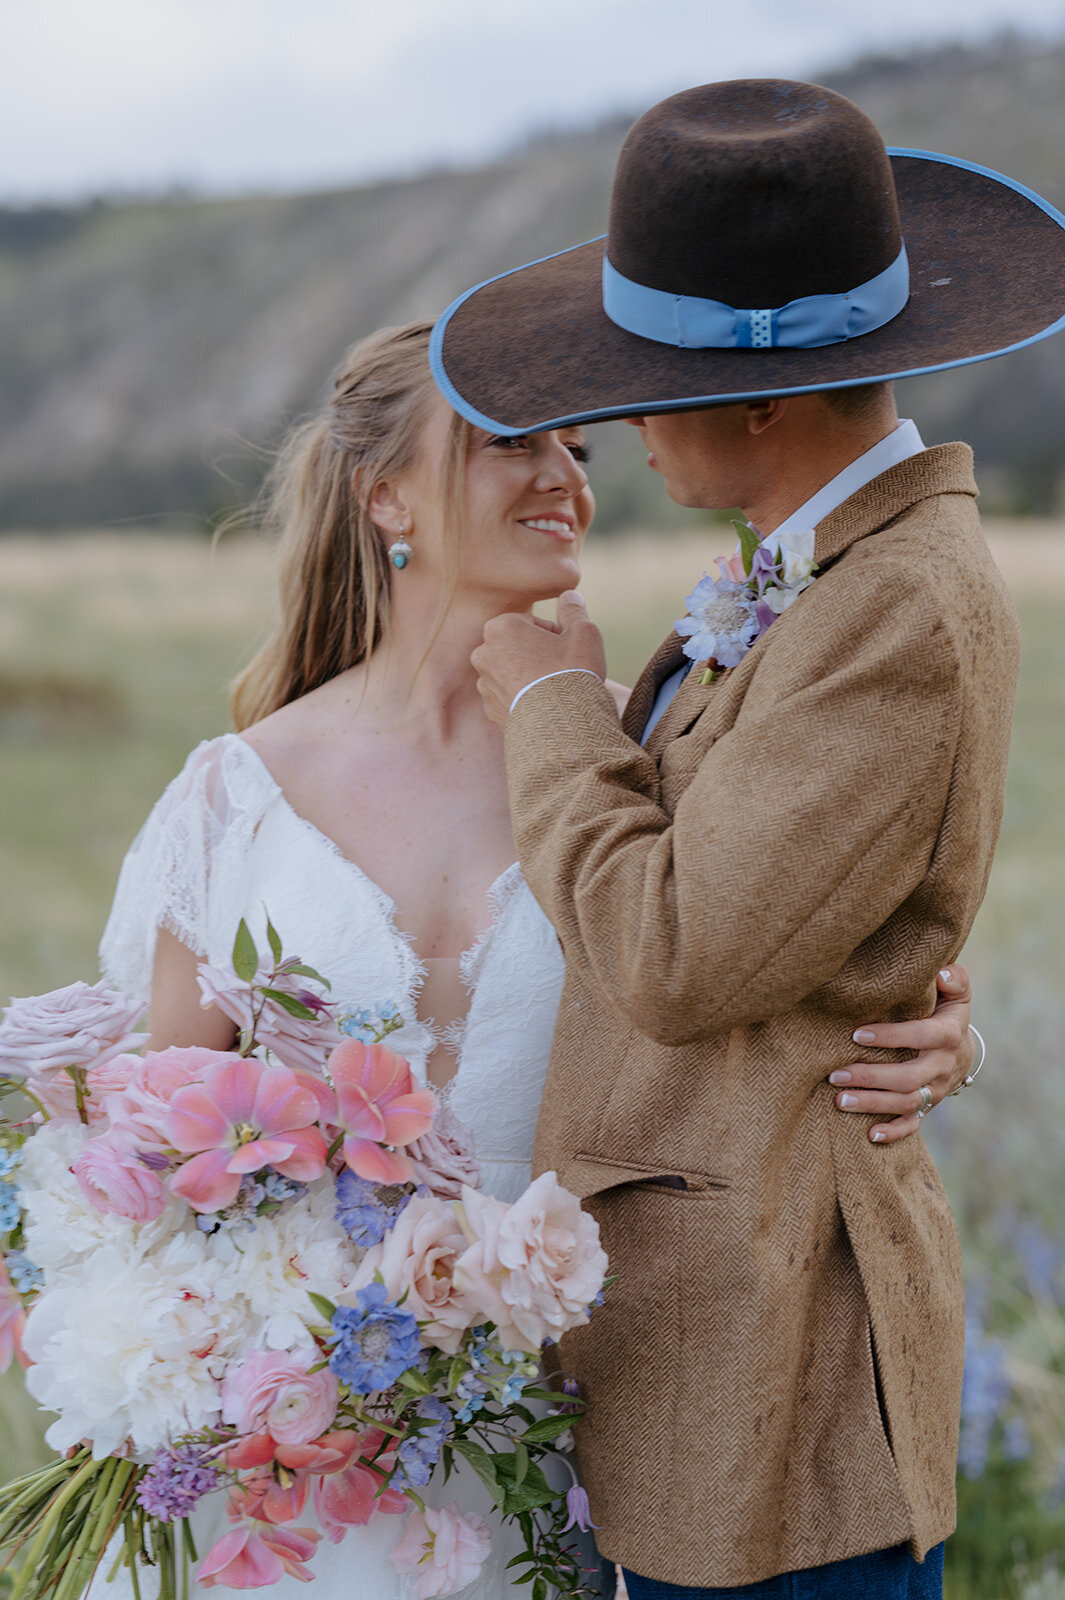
<point x="762" y="241"/>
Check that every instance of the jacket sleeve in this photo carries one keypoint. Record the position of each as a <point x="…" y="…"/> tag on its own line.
<point x="803" y="828"/>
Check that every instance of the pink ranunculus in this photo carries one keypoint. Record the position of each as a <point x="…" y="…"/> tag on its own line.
<point x="302" y="1043"/>
<point x="443" y="1549"/>
<point x="274" y="1391"/>
<point x="443" y="1159"/>
<point x="244" y="1116"/>
<point x="12" y="1321"/>
<point x="535" y="1266"/>
<point x="348" y="1495"/>
<point x="378" y="1105"/>
<point x="267" y="1498"/>
<point x="82" y="1025"/>
<point x="112" y="1179"/>
<point x="138" y="1114"/>
<point x="416" y="1260"/>
<point x="257" y="1554"/>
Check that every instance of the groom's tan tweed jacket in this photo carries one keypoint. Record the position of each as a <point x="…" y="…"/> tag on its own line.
<point x="800" y="848"/>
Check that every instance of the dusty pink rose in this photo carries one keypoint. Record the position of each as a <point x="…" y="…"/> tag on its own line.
<point x="82" y="1025"/>
<point x="255" y="1554"/>
<point x="244" y="1116"/>
<point x="443" y="1549"/>
<point x="443" y="1159"/>
<point x="274" y="1392"/>
<point x="57" y="1093"/>
<point x="378" y="1105"/>
<point x="12" y="1321"/>
<point x="534" y="1266"/>
<point x="138" y="1114"/>
<point x="302" y="1043"/>
<point x="112" y="1179"/>
<point x="416" y="1260"/>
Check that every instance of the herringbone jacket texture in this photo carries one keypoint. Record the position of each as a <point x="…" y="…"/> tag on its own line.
<point x="773" y="1382"/>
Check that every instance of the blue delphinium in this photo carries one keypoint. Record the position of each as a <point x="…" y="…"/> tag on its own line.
<point x="25" y="1274"/>
<point x="366" y="1211"/>
<point x="277" y="1187"/>
<point x="472" y="1391"/>
<point x="10" y="1209"/>
<point x="373" y="1342"/>
<point x="985" y="1393"/>
<point x="419" y="1452"/>
<point x="9" y="1160"/>
<point x="358" y="1025"/>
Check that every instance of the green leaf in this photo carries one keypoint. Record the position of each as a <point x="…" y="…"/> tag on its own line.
<point x="749" y="542"/>
<point x="522" y="1559"/>
<point x="289" y="1003"/>
<point x="299" y="969"/>
<point x="521" y="1462"/>
<point x="245" y="955"/>
<point x="547" y="1428"/>
<point x="324" y="1307"/>
<point x="539" y="1590"/>
<point x="414" y="1381"/>
<point x="275" y="941"/>
<point x="484" y="1465"/>
<point x="533" y="1490"/>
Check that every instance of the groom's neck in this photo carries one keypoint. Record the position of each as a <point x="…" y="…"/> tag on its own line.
<point x="808" y="447"/>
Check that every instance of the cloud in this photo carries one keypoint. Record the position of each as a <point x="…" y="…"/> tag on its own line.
<point x="229" y="94"/>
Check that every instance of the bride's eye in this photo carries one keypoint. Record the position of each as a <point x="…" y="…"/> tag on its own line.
<point x="508" y="441"/>
<point x="580" y="451"/>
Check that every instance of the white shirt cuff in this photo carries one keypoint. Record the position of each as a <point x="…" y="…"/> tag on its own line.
<point x="561" y="673"/>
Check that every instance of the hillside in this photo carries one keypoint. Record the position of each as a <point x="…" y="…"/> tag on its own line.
<point x="153" y="351"/>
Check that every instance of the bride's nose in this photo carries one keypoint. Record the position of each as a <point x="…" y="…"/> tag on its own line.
<point x="558" y="468"/>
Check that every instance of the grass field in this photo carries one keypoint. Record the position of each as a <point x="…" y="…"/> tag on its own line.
<point x="115" y="652"/>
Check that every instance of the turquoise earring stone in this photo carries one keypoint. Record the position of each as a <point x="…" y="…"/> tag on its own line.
<point x="399" y="554"/>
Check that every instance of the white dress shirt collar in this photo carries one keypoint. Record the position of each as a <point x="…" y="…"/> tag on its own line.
<point x="903" y="442"/>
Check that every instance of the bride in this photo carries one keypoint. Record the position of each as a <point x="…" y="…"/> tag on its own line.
<point x="362" y="800"/>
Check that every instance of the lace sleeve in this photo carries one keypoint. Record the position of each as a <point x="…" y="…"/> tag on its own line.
<point x="188" y="853"/>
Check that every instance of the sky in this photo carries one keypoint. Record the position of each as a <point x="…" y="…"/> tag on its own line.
<point x="120" y="96"/>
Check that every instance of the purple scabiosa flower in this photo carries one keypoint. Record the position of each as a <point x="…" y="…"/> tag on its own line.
<point x="580" y="1514"/>
<point x="419" y="1452"/>
<point x="179" y="1476"/>
<point x="373" y="1342"/>
<point x="367" y="1211"/>
<point x="721" y="625"/>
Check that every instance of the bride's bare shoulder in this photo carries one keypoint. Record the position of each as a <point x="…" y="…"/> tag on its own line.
<point x="293" y="737"/>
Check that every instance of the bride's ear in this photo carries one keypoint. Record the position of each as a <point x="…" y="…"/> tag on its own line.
<point x="387" y="509"/>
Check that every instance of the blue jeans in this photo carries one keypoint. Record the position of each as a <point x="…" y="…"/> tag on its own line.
<point x="884" y="1575"/>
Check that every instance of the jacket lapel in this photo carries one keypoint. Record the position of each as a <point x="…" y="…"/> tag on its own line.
<point x="666" y="659"/>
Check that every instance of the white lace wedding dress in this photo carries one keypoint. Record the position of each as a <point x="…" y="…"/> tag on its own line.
<point x="223" y="843"/>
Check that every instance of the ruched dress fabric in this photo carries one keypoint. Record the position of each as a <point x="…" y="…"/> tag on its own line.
<point x="223" y="843"/>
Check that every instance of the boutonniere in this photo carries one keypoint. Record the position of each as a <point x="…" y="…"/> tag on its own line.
<point x="727" y="615"/>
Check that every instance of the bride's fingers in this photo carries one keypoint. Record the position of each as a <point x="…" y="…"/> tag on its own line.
<point x="933" y="1067"/>
<point x="880" y="1103"/>
<point x="892" y="1132"/>
<point x="945" y="1029"/>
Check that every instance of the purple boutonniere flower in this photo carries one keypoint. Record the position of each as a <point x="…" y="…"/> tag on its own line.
<point x="728" y="614"/>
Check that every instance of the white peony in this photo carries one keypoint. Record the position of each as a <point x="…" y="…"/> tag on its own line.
<point x="61" y="1225"/>
<point x="132" y="1345"/>
<point x="302" y="1246"/>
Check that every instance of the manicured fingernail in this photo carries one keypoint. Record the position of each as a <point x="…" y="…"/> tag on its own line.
<point x="839" y="1077"/>
<point x="863" y="1036"/>
<point x="848" y="1101"/>
<point x="878" y="1136"/>
<point x="945" y="974"/>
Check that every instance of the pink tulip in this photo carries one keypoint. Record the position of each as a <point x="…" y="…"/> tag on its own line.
<point x="265" y="1498"/>
<point x="113" y="1180"/>
<point x="349" y="1495"/>
<point x="378" y="1105"/>
<point x="257" y="1554"/>
<point x="12" y="1321"/>
<point x="244" y="1116"/>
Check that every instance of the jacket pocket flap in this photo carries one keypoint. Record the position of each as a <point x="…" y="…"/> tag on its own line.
<point x="587" y="1175"/>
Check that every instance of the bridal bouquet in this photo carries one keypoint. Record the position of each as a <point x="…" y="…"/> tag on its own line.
<point x="269" y="1275"/>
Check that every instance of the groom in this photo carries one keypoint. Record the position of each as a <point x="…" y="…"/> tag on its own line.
<point x="778" y="840"/>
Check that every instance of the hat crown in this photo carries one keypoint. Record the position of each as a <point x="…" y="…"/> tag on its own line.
<point x="754" y="192"/>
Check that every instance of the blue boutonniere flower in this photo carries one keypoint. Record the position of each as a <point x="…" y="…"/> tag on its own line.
<point x="728" y="614"/>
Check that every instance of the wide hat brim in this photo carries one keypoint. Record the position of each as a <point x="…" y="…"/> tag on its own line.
<point x="533" y="348"/>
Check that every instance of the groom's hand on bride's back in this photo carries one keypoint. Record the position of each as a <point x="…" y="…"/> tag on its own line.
<point x="518" y="649"/>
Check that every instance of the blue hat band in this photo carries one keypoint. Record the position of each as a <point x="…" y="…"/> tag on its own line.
<point x="690" y="323"/>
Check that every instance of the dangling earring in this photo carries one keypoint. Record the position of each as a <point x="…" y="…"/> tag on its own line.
<point x="399" y="551"/>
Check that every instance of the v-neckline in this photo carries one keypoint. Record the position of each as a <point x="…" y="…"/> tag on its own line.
<point x="497" y="895"/>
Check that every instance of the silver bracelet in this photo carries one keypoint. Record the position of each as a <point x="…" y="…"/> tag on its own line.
<point x="978" y="1036"/>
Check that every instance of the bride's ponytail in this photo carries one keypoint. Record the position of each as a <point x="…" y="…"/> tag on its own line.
<point x="335" y="577"/>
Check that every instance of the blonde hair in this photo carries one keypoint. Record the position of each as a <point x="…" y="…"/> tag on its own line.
<point x="334" y="574"/>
